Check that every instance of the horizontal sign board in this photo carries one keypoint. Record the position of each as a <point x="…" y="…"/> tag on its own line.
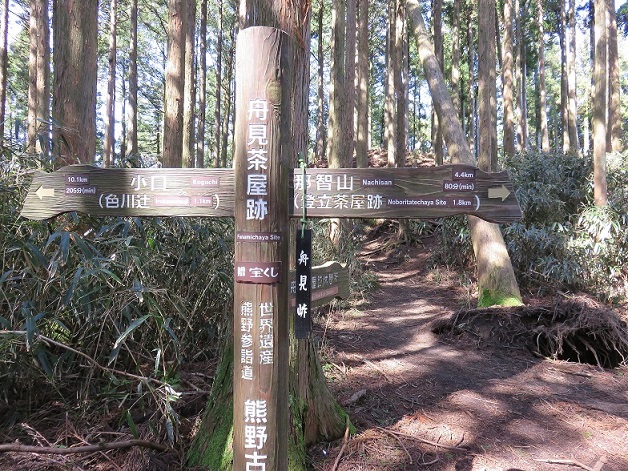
<point x="397" y="193"/>
<point x="328" y="281"/>
<point x="131" y="192"/>
<point x="424" y="192"/>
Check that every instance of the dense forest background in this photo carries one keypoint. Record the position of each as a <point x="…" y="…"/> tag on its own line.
<point x="545" y="55"/>
<point x="115" y="308"/>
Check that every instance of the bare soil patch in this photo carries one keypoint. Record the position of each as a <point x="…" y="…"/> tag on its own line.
<point x="431" y="384"/>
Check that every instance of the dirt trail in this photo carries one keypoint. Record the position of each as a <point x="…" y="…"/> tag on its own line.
<point x="406" y="388"/>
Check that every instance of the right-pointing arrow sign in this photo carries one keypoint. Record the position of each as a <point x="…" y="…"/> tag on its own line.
<point x="499" y="192"/>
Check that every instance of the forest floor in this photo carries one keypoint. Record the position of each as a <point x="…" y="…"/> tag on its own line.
<point x="424" y="396"/>
<point x="422" y="392"/>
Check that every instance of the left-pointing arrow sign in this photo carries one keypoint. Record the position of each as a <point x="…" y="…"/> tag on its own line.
<point x="44" y="192"/>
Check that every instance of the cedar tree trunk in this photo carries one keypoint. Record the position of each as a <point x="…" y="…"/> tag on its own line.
<point x="496" y="279"/>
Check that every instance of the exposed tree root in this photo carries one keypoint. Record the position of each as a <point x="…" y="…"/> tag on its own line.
<point x="576" y="330"/>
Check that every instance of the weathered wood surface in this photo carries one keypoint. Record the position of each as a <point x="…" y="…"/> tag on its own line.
<point x="424" y="192"/>
<point x="330" y="281"/>
<point x="262" y="167"/>
<point x="131" y="192"/>
<point x="399" y="193"/>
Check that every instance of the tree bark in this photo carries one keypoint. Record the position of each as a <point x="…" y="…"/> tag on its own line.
<point x="175" y="83"/>
<point x="507" y="80"/>
<point x="348" y="120"/>
<point x="132" y="119"/>
<point x="599" y="106"/>
<point x="390" y="123"/>
<point x="591" y="5"/>
<point x="496" y="280"/>
<point x="471" y="61"/>
<point x="517" y="73"/>
<point x="520" y="78"/>
<point x="39" y="78"/>
<point x="362" y="85"/>
<point x="337" y="99"/>
<point x="455" y="57"/>
<point x="228" y="101"/>
<point x="401" y="92"/>
<point x="523" y="95"/>
<point x="338" y="146"/>
<point x="545" y="145"/>
<point x="486" y="79"/>
<point x="110" y="117"/>
<point x="75" y="74"/>
<point x="401" y="85"/>
<point x="202" y="81"/>
<point x="123" y="88"/>
<point x="572" y="106"/>
<point x="564" y="89"/>
<point x="614" y="131"/>
<point x="217" y="107"/>
<point x="189" y="92"/>
<point x="437" y="132"/>
<point x="319" y="151"/>
<point x="4" y="30"/>
<point x="212" y="444"/>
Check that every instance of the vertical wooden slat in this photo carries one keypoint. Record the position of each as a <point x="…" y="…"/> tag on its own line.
<point x="262" y="172"/>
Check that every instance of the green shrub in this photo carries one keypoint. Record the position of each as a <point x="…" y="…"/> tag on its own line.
<point x="106" y="305"/>
<point x="550" y="188"/>
<point x="564" y="241"/>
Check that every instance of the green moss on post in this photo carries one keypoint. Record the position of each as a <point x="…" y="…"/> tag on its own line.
<point x="212" y="446"/>
<point x="296" y="447"/>
<point x="488" y="299"/>
<point x="342" y="413"/>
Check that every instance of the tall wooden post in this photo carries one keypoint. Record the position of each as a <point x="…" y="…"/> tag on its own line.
<point x="262" y="173"/>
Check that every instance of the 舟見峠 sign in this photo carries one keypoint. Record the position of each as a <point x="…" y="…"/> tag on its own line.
<point x="303" y="284"/>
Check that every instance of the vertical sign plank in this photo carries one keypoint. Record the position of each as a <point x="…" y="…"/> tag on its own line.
<point x="303" y="284"/>
<point x="262" y="173"/>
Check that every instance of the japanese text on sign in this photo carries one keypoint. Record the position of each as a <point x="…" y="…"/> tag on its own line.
<point x="257" y="160"/>
<point x="264" y="315"/>
<point x="303" y="283"/>
<point x="255" y="435"/>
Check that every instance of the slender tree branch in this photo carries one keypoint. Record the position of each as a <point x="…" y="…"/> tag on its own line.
<point x="565" y="462"/>
<point x="84" y="355"/>
<point x="345" y="440"/>
<point x="423" y="440"/>
<point x="17" y="448"/>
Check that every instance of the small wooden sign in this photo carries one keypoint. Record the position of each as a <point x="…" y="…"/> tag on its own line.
<point x="260" y="273"/>
<point x="329" y="281"/>
<point x="303" y="282"/>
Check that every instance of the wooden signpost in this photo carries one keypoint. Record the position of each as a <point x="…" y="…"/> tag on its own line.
<point x="262" y="192"/>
